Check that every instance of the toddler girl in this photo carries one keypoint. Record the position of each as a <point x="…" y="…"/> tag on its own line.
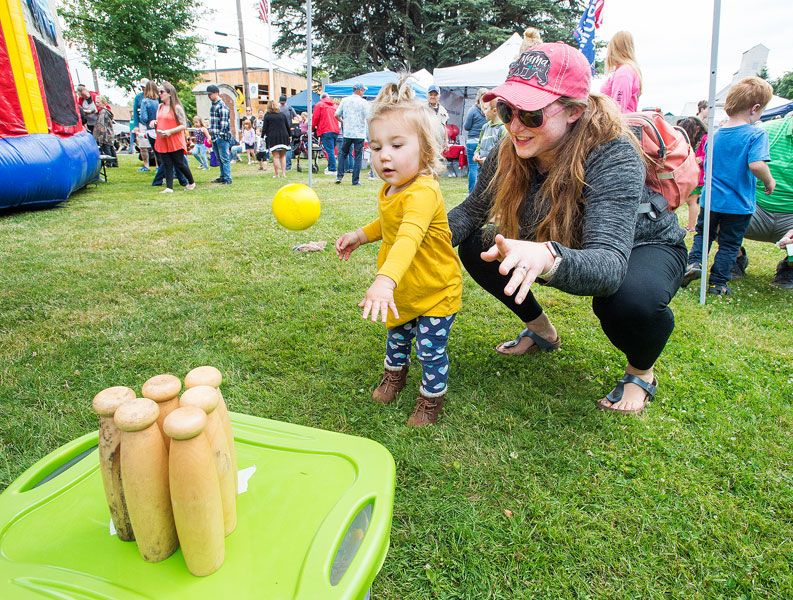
<point x="201" y="138"/>
<point x="249" y="140"/>
<point x="418" y="288"/>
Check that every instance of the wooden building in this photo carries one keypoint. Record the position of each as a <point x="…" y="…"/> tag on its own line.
<point x="287" y="83"/>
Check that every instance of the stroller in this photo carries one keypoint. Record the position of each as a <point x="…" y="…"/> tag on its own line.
<point x="299" y="143"/>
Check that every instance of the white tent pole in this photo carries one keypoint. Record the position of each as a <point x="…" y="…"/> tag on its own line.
<point x="714" y="58"/>
<point x="309" y="90"/>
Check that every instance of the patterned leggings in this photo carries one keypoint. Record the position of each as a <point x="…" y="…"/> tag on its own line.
<point x="432" y="337"/>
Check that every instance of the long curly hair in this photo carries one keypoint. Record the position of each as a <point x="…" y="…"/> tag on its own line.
<point x="560" y="201"/>
<point x="398" y="100"/>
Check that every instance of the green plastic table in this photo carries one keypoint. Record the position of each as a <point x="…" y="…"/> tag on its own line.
<point x="314" y="524"/>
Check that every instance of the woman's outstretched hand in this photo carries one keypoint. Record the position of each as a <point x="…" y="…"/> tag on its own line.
<point x="526" y="261"/>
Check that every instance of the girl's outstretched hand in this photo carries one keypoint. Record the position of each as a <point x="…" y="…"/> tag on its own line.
<point x="526" y="260"/>
<point x="378" y="299"/>
<point x="349" y="242"/>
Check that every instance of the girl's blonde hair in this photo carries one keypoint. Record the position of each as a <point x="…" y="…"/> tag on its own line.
<point x="531" y="37"/>
<point x="399" y="100"/>
<point x="620" y="51"/>
<point x="560" y="202"/>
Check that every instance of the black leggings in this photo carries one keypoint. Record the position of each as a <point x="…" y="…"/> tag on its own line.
<point x="175" y="160"/>
<point x="636" y="319"/>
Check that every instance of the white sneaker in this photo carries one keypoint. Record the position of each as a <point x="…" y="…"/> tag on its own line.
<point x="167" y="191"/>
<point x="190" y="186"/>
<point x="329" y="172"/>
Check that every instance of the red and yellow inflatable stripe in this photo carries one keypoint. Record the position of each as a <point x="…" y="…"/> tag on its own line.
<point x="23" y="66"/>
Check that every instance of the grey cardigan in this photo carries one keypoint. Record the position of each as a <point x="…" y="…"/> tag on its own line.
<point x="614" y="177"/>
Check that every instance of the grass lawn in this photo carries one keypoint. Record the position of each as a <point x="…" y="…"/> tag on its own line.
<point x="523" y="491"/>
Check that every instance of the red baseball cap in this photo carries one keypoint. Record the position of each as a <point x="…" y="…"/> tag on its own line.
<point x="544" y="74"/>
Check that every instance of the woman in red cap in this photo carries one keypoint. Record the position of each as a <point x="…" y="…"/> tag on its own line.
<point x="565" y="191"/>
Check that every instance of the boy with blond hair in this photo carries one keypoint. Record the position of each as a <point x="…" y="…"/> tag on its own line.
<point x="740" y="154"/>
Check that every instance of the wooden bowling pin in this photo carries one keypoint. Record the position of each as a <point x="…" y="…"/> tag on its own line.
<point x="195" y="491"/>
<point x="207" y="398"/>
<point x="207" y="375"/>
<point x="144" y="474"/>
<point x="105" y="404"/>
<point x="164" y="390"/>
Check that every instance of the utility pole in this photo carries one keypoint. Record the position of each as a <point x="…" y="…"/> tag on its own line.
<point x="309" y="90"/>
<point x="245" y="85"/>
<point x="96" y="80"/>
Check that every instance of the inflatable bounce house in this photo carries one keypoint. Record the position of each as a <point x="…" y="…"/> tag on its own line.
<point x="45" y="153"/>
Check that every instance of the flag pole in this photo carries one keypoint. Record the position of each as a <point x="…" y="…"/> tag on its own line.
<point x="714" y="58"/>
<point x="309" y="90"/>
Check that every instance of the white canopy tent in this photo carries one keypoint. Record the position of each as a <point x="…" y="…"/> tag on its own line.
<point x="489" y="71"/>
<point x="459" y="84"/>
<point x="424" y="78"/>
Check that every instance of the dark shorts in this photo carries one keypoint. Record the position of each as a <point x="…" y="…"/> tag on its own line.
<point x="250" y="146"/>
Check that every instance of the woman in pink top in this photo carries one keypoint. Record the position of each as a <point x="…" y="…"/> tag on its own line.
<point x="171" y="144"/>
<point x="624" y="86"/>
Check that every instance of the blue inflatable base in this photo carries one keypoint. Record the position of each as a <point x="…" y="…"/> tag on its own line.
<point x="44" y="169"/>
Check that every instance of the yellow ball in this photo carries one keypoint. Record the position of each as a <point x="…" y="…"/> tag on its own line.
<point x="296" y="206"/>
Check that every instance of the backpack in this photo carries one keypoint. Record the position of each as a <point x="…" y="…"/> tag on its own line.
<point x="672" y="169"/>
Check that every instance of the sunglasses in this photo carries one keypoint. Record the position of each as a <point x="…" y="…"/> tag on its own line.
<point x="529" y="118"/>
<point x="162" y="92"/>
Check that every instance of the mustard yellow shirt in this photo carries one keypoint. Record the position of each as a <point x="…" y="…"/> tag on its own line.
<point x="416" y="251"/>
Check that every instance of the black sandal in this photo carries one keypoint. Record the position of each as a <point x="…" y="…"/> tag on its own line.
<point x="615" y="395"/>
<point x="540" y="344"/>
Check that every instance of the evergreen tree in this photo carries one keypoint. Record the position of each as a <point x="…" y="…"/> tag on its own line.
<point x="784" y="85"/>
<point x="351" y="37"/>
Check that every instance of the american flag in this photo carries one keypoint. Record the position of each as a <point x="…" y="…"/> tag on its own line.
<point x="264" y="10"/>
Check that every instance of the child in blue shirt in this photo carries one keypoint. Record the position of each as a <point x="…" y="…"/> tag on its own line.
<point x="740" y="153"/>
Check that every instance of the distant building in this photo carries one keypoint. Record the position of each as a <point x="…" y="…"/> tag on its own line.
<point x="287" y="82"/>
<point x="753" y="61"/>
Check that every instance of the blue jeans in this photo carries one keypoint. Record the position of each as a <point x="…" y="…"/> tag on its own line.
<point x="200" y="153"/>
<point x="223" y="153"/>
<point x="329" y="145"/>
<point x="432" y="337"/>
<point x="289" y="155"/>
<point x="355" y="144"/>
<point x="473" y="167"/>
<point x="726" y="229"/>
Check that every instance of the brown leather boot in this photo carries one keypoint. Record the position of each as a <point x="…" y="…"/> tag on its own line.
<point x="391" y="384"/>
<point x="426" y="412"/>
